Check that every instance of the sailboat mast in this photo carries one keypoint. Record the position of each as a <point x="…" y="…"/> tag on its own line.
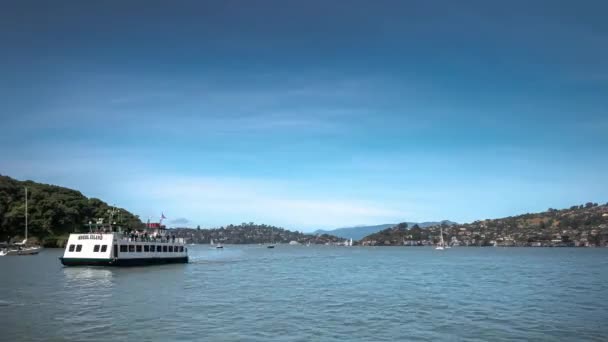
<point x="26" y="212"/>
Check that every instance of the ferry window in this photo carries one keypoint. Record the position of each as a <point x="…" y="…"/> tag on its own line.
<point x="78" y="248"/>
<point x="138" y="248"/>
<point x="104" y="248"/>
<point x="181" y="249"/>
<point x="123" y="248"/>
<point x="159" y="248"/>
<point x="146" y="248"/>
<point x="131" y="248"/>
<point x="152" y="248"/>
<point x="170" y="249"/>
<point x="165" y="248"/>
<point x="72" y="248"/>
<point x="96" y="248"/>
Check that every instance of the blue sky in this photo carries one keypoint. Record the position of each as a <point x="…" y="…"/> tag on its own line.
<point x="309" y="114"/>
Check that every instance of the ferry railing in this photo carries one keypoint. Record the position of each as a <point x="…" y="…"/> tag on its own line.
<point x="152" y="239"/>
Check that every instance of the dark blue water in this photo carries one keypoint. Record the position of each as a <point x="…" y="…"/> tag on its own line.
<point x="297" y="293"/>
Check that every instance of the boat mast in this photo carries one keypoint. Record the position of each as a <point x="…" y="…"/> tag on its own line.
<point x="111" y="213"/>
<point x="26" y="213"/>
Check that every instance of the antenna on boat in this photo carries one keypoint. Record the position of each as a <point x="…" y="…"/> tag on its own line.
<point x="111" y="213"/>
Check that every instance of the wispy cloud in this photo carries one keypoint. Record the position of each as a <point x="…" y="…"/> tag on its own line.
<point x="213" y="199"/>
<point x="302" y="104"/>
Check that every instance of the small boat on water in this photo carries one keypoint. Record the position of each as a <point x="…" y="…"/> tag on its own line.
<point x="21" y="248"/>
<point x="271" y="239"/>
<point x="217" y="246"/>
<point x="111" y="246"/>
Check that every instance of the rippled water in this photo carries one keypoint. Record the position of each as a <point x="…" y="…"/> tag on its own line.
<point x="297" y="293"/>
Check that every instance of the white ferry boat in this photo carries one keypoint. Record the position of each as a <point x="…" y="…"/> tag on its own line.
<point x="150" y="246"/>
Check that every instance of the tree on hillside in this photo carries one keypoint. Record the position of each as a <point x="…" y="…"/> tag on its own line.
<point x="416" y="233"/>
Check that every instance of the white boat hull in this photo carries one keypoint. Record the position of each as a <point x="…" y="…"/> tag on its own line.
<point x="22" y="251"/>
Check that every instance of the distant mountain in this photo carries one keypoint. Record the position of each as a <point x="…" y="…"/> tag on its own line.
<point x="359" y="232"/>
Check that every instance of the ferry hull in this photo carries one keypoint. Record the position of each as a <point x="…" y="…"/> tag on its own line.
<point x="122" y="262"/>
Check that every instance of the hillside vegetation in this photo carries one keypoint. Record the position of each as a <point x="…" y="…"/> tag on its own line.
<point x="53" y="211"/>
<point x="579" y="225"/>
<point x="252" y="233"/>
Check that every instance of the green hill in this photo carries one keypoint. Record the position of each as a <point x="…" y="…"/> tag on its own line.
<point x="53" y="211"/>
<point x="579" y="225"/>
<point x="247" y="233"/>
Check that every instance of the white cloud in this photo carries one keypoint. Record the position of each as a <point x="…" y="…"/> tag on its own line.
<point x="211" y="201"/>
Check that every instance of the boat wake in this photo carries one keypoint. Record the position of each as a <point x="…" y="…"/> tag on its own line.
<point x="212" y="261"/>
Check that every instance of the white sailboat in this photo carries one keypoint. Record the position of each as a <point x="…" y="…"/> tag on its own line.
<point x="271" y="239"/>
<point x="441" y="244"/>
<point x="20" y="248"/>
<point x="219" y="245"/>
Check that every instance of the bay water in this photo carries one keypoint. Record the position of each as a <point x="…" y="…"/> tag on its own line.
<point x="317" y="293"/>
